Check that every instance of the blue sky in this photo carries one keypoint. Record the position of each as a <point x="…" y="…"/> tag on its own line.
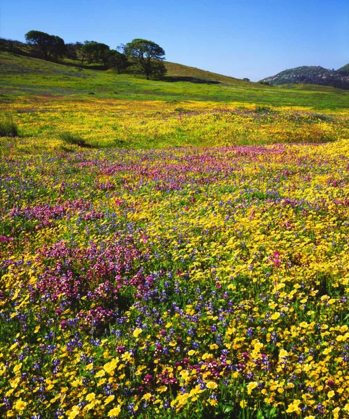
<point x="240" y="38"/>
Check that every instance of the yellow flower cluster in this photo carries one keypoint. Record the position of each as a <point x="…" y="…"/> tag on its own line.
<point x="154" y="124"/>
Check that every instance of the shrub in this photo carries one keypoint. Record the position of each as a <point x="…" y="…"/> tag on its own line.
<point x="8" y="128"/>
<point x="73" y="139"/>
<point x="263" y="109"/>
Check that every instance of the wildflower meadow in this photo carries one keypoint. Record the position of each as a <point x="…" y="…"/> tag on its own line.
<point x="185" y="282"/>
<point x="170" y="249"/>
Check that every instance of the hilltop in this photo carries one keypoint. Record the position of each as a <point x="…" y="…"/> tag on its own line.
<point x="312" y="75"/>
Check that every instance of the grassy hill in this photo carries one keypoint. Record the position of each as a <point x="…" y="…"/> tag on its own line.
<point x="175" y="72"/>
<point x="182" y="83"/>
<point x="189" y="107"/>
<point x="311" y="75"/>
<point x="180" y="72"/>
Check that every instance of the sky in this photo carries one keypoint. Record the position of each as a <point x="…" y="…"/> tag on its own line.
<point x="238" y="38"/>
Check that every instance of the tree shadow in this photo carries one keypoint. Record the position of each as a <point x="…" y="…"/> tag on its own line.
<point x="81" y="67"/>
<point x="173" y="79"/>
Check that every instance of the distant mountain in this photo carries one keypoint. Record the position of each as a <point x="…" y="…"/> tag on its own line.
<point x="312" y="75"/>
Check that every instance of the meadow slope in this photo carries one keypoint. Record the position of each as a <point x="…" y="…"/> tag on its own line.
<point x="111" y="110"/>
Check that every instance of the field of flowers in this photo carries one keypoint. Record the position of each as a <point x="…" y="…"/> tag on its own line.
<point x="158" y="124"/>
<point x="105" y="109"/>
<point x="177" y="283"/>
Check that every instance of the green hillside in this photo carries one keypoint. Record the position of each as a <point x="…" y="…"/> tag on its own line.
<point x="23" y="75"/>
<point x="182" y="72"/>
<point x="175" y="72"/>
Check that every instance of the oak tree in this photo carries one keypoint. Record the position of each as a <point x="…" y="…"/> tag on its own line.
<point x="147" y="57"/>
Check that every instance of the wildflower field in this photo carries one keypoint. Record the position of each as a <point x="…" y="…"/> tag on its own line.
<point x="148" y="276"/>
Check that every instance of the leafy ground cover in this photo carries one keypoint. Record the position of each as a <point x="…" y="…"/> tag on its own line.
<point x="176" y="283"/>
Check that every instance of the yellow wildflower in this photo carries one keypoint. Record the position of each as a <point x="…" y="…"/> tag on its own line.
<point x="251" y="386"/>
<point x="137" y="332"/>
<point x="20" y="405"/>
<point x="114" y="412"/>
<point x="275" y="316"/>
<point x="109" y="399"/>
<point x="90" y="397"/>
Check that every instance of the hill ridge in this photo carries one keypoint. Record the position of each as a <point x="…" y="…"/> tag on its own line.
<point x="312" y="75"/>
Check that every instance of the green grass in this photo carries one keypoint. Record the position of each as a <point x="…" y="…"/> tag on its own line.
<point x="21" y="75"/>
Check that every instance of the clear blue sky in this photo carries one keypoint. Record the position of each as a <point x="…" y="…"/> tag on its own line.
<point x="240" y="38"/>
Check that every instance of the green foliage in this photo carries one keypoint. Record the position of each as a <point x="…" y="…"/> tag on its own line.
<point x="8" y="128"/>
<point x="96" y="52"/>
<point x="118" y="61"/>
<point x="147" y="57"/>
<point x="73" y="139"/>
<point x="49" y="45"/>
<point x="73" y="51"/>
<point x="263" y="109"/>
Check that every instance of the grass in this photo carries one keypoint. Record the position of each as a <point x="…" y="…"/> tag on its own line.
<point x="46" y="78"/>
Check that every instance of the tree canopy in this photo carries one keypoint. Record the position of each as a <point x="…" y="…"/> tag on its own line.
<point x="140" y="55"/>
<point x="147" y="57"/>
<point x="49" y="45"/>
<point x="117" y="60"/>
<point x="96" y="52"/>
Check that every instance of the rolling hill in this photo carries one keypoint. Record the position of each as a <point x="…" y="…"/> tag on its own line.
<point x="182" y="72"/>
<point x="23" y="75"/>
<point x="29" y="62"/>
